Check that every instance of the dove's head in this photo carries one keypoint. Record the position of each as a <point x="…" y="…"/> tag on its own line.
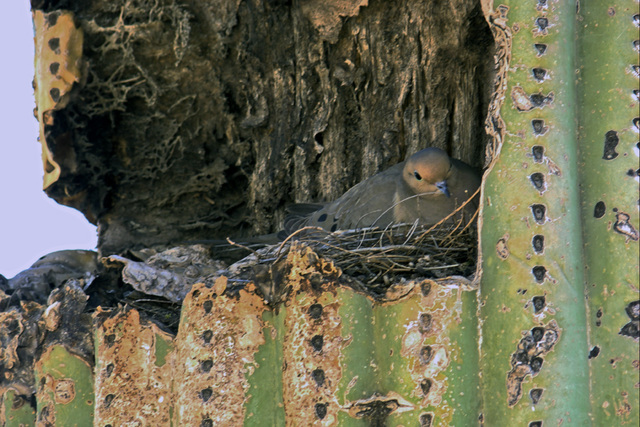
<point x="427" y="171"/>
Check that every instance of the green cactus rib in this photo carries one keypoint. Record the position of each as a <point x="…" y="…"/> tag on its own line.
<point x="265" y="405"/>
<point x="608" y="159"/>
<point x="546" y="244"/>
<point x="16" y="410"/>
<point x="409" y="361"/>
<point x="65" y="389"/>
<point x="532" y="290"/>
<point x="419" y="352"/>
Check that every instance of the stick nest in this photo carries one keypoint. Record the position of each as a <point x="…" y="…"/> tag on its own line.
<point x="377" y="258"/>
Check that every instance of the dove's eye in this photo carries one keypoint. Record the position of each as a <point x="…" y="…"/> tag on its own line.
<point x="417" y="175"/>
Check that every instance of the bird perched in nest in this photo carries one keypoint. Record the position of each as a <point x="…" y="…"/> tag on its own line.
<point x="427" y="187"/>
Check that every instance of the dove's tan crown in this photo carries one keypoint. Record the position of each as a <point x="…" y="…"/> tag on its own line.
<point x="426" y="168"/>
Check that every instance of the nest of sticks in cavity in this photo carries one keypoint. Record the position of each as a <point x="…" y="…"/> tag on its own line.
<point x="378" y="257"/>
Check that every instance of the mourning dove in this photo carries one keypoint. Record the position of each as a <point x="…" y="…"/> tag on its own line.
<point x="426" y="187"/>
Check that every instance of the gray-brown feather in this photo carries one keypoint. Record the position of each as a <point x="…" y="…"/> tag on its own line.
<point x="387" y="198"/>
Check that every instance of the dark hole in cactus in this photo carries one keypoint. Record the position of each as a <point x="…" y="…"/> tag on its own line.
<point x="426" y="354"/>
<point x="205" y="394"/>
<point x="633" y="310"/>
<point x="539" y="100"/>
<point x="110" y="339"/>
<point x="538" y="153"/>
<point x="425" y="386"/>
<point x="321" y="410"/>
<point x="631" y="329"/>
<point x="207" y="422"/>
<point x="425" y="289"/>
<point x="535" y="395"/>
<point x="521" y="291"/>
<point x="538" y="303"/>
<point x="636" y="94"/>
<point x="376" y="410"/>
<point x="206" y="365"/>
<point x="538" y="243"/>
<point x="527" y="359"/>
<point x="107" y="400"/>
<point x="109" y="369"/>
<point x="54" y="68"/>
<point x="539" y="74"/>
<point x="52" y="19"/>
<point x="537" y="179"/>
<point x="636" y="70"/>
<point x="526" y="343"/>
<point x="206" y="336"/>
<point x="424" y="322"/>
<point x="539" y="212"/>
<point x="542" y="23"/>
<point x="536" y="364"/>
<point x="207" y="306"/>
<point x="598" y="317"/>
<point x="316" y="280"/>
<point x="636" y="123"/>
<point x="633" y="173"/>
<point x="541" y="48"/>
<point x="317" y="342"/>
<point x="537" y="333"/>
<point x="535" y="424"/>
<point x="539" y="271"/>
<point x="315" y="311"/>
<point x="521" y="357"/>
<point x="54" y="44"/>
<point x="611" y="141"/>
<point x="318" y="376"/>
<point x="599" y="209"/>
<point x="538" y="127"/>
<point x="594" y="352"/>
<point x="426" y="420"/>
<point x="542" y="3"/>
<point x="636" y="19"/>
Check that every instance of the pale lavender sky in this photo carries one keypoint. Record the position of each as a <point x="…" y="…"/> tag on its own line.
<point x="31" y="224"/>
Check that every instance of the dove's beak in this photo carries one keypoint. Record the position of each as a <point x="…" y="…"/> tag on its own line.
<point x="442" y="186"/>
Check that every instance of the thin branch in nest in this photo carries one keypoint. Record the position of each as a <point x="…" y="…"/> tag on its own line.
<point x="232" y="243"/>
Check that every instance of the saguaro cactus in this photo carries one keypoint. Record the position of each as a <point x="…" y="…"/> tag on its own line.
<point x="292" y="336"/>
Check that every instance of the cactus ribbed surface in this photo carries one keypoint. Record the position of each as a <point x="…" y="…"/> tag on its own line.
<point x="557" y="279"/>
<point x="607" y="82"/>
<point x="549" y="338"/>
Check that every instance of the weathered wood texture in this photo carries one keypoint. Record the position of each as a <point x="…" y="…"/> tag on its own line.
<point x="203" y="119"/>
